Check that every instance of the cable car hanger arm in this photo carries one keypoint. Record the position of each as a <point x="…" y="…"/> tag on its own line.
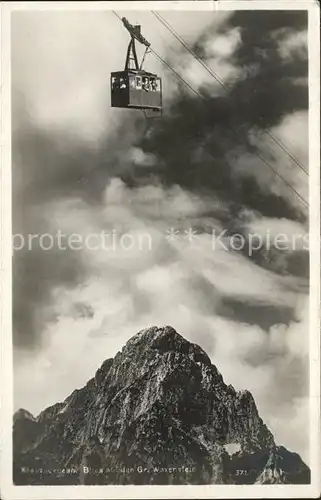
<point x="131" y="57"/>
<point x="135" y="32"/>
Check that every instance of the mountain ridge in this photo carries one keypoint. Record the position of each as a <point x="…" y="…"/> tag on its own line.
<point x="159" y="403"/>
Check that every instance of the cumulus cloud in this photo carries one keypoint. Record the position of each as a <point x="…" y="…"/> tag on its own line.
<point x="292" y="44"/>
<point x="218" y="49"/>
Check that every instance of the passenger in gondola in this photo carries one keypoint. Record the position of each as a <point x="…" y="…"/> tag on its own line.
<point x="122" y="83"/>
<point x="146" y="85"/>
<point x="138" y="83"/>
<point x="153" y="84"/>
<point x="115" y="83"/>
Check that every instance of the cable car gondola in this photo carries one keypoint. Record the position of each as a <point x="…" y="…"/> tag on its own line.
<point x="135" y="88"/>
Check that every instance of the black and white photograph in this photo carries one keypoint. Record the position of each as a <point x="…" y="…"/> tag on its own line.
<point x="163" y="215"/>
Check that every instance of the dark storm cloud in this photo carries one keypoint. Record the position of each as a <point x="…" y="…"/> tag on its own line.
<point x="40" y="174"/>
<point x="256" y="314"/>
<point x="271" y="91"/>
<point x="46" y="164"/>
<point x="196" y="143"/>
<point x="35" y="274"/>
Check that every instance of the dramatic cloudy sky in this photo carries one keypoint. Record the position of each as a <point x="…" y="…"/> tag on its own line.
<point x="81" y="167"/>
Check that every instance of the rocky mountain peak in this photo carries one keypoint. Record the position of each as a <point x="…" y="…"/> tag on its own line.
<point x="159" y="402"/>
<point x="164" y="340"/>
<point x="23" y="414"/>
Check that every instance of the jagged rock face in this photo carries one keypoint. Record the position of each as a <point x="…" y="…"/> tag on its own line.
<point x="159" y="404"/>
